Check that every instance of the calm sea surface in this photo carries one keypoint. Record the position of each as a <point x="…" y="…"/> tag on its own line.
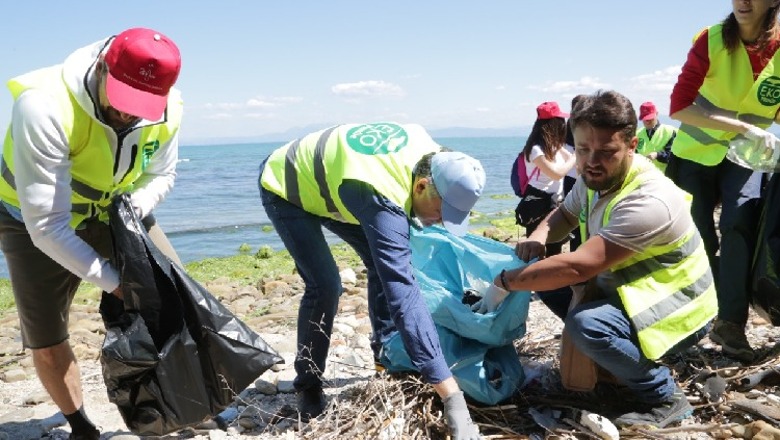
<point x="215" y="206"/>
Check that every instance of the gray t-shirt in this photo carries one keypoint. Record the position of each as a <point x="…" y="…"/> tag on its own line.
<point x="654" y="214"/>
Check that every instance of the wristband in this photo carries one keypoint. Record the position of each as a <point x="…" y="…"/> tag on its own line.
<point x="502" y="277"/>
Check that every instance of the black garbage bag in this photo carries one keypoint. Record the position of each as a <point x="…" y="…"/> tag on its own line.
<point x="173" y="354"/>
<point x="765" y="288"/>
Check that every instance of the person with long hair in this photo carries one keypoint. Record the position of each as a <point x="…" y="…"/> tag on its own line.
<point x="728" y="89"/>
<point x="546" y="164"/>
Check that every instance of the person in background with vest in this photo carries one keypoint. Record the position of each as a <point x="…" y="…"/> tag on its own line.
<point x="367" y="183"/>
<point x="728" y="89"/>
<point x="642" y="253"/>
<point x="655" y="138"/>
<point x="104" y="122"/>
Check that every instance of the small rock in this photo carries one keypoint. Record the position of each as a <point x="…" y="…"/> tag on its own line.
<point x="14" y="375"/>
<point x="216" y="434"/>
<point x="247" y="423"/>
<point x="265" y="387"/>
<point x="36" y="398"/>
<point x="348" y="276"/>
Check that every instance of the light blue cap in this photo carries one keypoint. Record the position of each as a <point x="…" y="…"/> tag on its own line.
<point x="459" y="179"/>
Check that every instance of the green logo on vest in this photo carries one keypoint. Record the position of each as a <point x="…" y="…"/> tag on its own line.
<point x="769" y="91"/>
<point x="382" y="138"/>
<point x="148" y="150"/>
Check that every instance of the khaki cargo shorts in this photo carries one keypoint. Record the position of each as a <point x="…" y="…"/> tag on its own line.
<point x="43" y="289"/>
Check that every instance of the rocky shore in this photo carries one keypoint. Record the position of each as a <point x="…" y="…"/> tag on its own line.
<point x="749" y="402"/>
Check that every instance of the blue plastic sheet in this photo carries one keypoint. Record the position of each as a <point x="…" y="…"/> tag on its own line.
<point x="477" y="347"/>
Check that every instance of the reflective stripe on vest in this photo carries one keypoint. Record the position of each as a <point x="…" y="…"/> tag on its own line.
<point x="667" y="291"/>
<point x="77" y="187"/>
<point x="92" y="162"/>
<point x="729" y="90"/>
<point x="291" y="174"/>
<point x="309" y="171"/>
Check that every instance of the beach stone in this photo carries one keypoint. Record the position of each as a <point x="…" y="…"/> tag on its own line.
<point x="344" y="329"/>
<point x="233" y="431"/>
<point x="348" y="276"/>
<point x="277" y="288"/>
<point x="216" y="434"/>
<point x="353" y="290"/>
<point x="265" y="387"/>
<point x="14" y="375"/>
<point x="360" y="341"/>
<point x="9" y="348"/>
<point x="90" y="324"/>
<point x="18" y="415"/>
<point x="36" y="398"/>
<point x="27" y="362"/>
<point x="247" y="423"/>
<point x="291" y="279"/>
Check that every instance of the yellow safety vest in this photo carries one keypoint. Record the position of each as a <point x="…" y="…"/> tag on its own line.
<point x="729" y="90"/>
<point x="92" y="161"/>
<point x="655" y="144"/>
<point x="308" y="172"/>
<point x="667" y="291"/>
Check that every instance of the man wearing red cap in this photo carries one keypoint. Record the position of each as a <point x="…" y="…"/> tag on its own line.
<point x="102" y="123"/>
<point x="655" y="139"/>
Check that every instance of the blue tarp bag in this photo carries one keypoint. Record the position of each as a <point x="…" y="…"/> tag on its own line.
<point x="477" y="347"/>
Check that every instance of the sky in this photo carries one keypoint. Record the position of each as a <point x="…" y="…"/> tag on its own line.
<point x="259" y="68"/>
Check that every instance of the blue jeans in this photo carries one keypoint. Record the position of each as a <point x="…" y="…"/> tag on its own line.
<point x="738" y="190"/>
<point x="603" y="332"/>
<point x="393" y="304"/>
<point x="302" y="235"/>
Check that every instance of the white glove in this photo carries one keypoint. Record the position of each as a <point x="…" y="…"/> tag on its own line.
<point x="765" y="141"/>
<point x="493" y="297"/>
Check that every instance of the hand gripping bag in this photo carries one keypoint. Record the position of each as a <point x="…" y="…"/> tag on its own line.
<point x="173" y="354"/>
<point x="479" y="348"/>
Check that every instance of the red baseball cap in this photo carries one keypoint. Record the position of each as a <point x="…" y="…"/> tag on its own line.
<point x="647" y="111"/>
<point x="549" y="110"/>
<point x="142" y="66"/>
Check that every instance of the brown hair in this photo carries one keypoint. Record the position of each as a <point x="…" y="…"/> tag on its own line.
<point x="609" y="110"/>
<point x="550" y="134"/>
<point x="770" y="30"/>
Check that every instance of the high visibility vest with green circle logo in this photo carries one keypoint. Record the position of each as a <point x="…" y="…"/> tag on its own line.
<point x="656" y="144"/>
<point x="729" y="90"/>
<point x="92" y="161"/>
<point x="667" y="291"/>
<point x="307" y="172"/>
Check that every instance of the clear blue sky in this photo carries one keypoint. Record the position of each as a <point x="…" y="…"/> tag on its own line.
<point x="252" y="68"/>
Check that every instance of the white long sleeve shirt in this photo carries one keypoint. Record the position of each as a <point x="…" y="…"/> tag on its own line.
<point x="42" y="170"/>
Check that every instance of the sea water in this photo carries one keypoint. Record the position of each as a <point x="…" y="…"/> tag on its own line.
<point x="215" y="205"/>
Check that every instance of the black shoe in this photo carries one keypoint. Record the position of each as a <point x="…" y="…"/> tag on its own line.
<point x="661" y="414"/>
<point x="311" y="403"/>
<point x="732" y="340"/>
<point x="89" y="435"/>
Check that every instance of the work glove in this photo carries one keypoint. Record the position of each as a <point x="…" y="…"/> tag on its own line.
<point x="490" y="301"/>
<point x="458" y="418"/>
<point x="765" y="141"/>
